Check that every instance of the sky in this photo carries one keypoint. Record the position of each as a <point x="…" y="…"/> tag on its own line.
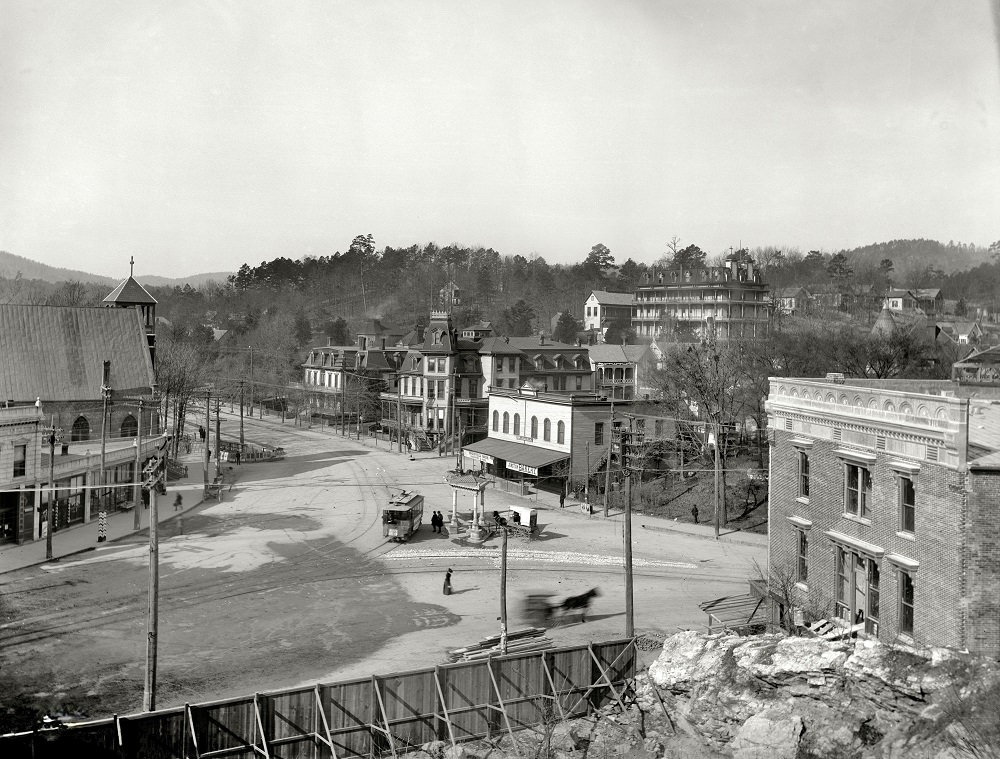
<point x="200" y="135"/>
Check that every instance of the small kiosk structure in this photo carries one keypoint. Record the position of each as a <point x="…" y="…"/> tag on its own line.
<point x="403" y="516"/>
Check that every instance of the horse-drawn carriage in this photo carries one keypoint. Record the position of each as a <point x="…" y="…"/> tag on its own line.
<point x="520" y="521"/>
<point x="538" y="609"/>
<point x="403" y="516"/>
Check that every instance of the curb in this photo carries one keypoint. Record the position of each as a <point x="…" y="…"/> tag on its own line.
<point x="722" y="538"/>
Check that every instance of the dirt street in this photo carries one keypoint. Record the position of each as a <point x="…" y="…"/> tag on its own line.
<point x="290" y="581"/>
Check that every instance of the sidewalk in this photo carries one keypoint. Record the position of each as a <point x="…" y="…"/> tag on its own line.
<point x="120" y="524"/>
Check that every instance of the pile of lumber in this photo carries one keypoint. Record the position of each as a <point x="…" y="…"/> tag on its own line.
<point x="518" y="641"/>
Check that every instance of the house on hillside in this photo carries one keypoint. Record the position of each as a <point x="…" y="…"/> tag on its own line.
<point x="793" y="300"/>
<point x="623" y="372"/>
<point x="901" y="300"/>
<point x="962" y="332"/>
<point x="882" y="509"/>
<point x="602" y="308"/>
<point x="930" y="301"/>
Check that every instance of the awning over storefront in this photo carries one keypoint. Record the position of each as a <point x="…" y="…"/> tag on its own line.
<point x="519" y="457"/>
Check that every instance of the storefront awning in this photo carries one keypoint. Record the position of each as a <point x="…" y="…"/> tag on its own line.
<point x="520" y="457"/>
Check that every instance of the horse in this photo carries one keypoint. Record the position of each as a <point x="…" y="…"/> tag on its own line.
<point x="579" y="603"/>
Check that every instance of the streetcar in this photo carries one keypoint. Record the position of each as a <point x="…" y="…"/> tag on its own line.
<point x="403" y="516"/>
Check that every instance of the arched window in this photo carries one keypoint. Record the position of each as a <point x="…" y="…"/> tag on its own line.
<point x="130" y="427"/>
<point x="517" y="424"/>
<point x="561" y="432"/>
<point x="81" y="429"/>
<point x="496" y="421"/>
<point x="546" y="430"/>
<point x="506" y="422"/>
<point x="534" y="427"/>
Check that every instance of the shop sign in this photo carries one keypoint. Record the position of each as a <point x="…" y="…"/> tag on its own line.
<point x="480" y="457"/>
<point x="522" y="468"/>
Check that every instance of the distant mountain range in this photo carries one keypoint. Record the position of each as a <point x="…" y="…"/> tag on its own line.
<point x="11" y="266"/>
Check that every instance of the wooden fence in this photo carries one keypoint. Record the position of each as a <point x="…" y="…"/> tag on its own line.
<point x="370" y="717"/>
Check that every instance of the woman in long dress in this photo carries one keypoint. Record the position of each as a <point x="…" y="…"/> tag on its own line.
<point x="447" y="583"/>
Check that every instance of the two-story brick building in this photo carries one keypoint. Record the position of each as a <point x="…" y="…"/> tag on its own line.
<point x="883" y="507"/>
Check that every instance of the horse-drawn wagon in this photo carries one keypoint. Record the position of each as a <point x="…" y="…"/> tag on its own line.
<point x="520" y="521"/>
<point x="403" y="516"/>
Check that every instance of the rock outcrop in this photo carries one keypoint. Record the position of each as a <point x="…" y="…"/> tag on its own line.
<point x="779" y="696"/>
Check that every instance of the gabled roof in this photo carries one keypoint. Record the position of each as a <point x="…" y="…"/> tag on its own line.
<point x="898" y="293"/>
<point x="129" y="293"/>
<point x="498" y="346"/>
<point x="57" y="353"/>
<point x="620" y="354"/>
<point x="606" y="298"/>
<point x="791" y="292"/>
<point x="927" y="293"/>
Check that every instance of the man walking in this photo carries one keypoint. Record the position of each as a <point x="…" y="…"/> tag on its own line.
<point x="694" y="513"/>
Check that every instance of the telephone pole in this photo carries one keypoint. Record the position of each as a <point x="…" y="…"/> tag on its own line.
<point x="218" y="432"/>
<point x="503" y="592"/>
<point x="102" y="494"/>
<point x="611" y="445"/>
<point x="208" y="433"/>
<point x="49" y="512"/>
<point x="153" y="604"/>
<point x="241" y="418"/>
<point x="627" y="454"/>
<point x="138" y="470"/>
<point x="250" y="348"/>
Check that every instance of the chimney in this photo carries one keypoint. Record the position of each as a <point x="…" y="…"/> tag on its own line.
<point x="383" y="343"/>
<point x="578" y="343"/>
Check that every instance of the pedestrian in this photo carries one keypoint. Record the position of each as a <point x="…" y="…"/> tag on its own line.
<point x="562" y="499"/>
<point x="434" y="522"/>
<point x="447" y="582"/>
<point x="440" y="522"/>
<point x="201" y="433"/>
<point x="178" y="502"/>
<point x="694" y="513"/>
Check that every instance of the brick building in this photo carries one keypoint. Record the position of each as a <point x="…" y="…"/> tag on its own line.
<point x="883" y="508"/>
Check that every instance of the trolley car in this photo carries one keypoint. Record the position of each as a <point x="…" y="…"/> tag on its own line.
<point x="403" y="516"/>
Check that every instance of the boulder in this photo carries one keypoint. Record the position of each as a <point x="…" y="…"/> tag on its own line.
<point x="769" y="735"/>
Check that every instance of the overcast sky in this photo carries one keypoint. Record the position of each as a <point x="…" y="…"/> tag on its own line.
<point x="200" y="135"/>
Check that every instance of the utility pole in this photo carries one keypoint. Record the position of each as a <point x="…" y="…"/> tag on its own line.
<point x="241" y="418"/>
<point x="138" y="471"/>
<point x="250" y="348"/>
<point x="611" y="444"/>
<point x="399" y="413"/>
<point x="102" y="493"/>
<point x="49" y="512"/>
<point x="503" y="592"/>
<point x="718" y="468"/>
<point x="208" y="435"/>
<point x="218" y="432"/>
<point x="586" y="482"/>
<point x="343" y="395"/>
<point x="152" y="610"/>
<point x="629" y="474"/>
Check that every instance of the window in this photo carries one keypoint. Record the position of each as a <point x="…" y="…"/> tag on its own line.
<point x="906" y="603"/>
<point x="598" y="433"/>
<point x="496" y="421"/>
<point x="803" y="474"/>
<point x="561" y="432"/>
<point x="874" y="576"/>
<point x="843" y="586"/>
<point x="512" y="364"/>
<point x="803" y="563"/>
<point x="858" y="491"/>
<point x="81" y="429"/>
<point x="546" y="430"/>
<point x="907" y="505"/>
<point x="534" y="427"/>
<point x="579" y="382"/>
<point x="130" y="427"/>
<point x="506" y="422"/>
<point x="517" y="424"/>
<point x="658" y="428"/>
<point x="20" y="460"/>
